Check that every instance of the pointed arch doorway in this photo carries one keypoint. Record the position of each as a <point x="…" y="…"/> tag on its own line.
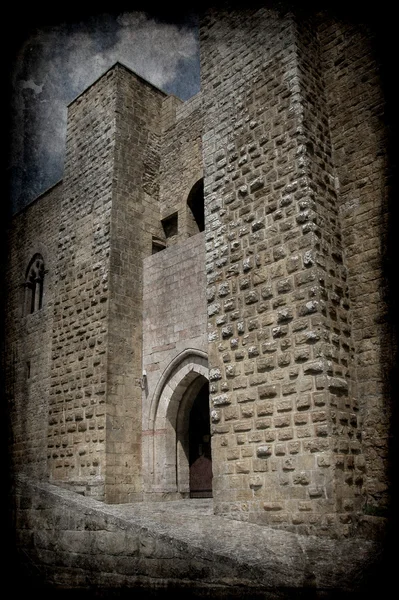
<point x="178" y="440"/>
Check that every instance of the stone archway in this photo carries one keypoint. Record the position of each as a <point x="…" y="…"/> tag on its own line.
<point x="166" y="465"/>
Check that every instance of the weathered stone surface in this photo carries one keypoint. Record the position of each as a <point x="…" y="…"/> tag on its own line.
<point x="276" y="297"/>
<point x="183" y="543"/>
<point x="305" y="299"/>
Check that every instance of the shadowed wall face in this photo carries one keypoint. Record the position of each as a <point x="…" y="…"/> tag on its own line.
<point x="77" y="405"/>
<point x="359" y="147"/>
<point x="28" y="330"/>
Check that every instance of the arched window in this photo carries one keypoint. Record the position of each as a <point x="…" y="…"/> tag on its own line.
<point x="195" y="202"/>
<point x="34" y="282"/>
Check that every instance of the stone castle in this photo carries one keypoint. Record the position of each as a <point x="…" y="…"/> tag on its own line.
<point x="199" y="307"/>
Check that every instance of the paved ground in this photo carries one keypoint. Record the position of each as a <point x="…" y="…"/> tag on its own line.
<point x="233" y="551"/>
<point x="269" y="555"/>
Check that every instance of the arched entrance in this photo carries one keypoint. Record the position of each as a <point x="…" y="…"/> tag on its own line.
<point x="177" y="460"/>
<point x="193" y="436"/>
<point x="200" y="454"/>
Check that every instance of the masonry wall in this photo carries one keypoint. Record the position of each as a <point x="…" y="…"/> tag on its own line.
<point x="69" y="542"/>
<point x="28" y="336"/>
<point x="288" y="132"/>
<point x="287" y="438"/>
<point x="77" y="399"/>
<point x="174" y="318"/>
<point x="108" y="217"/>
<point x="174" y="299"/>
<point x="357" y="113"/>
<point x="181" y="165"/>
<point x="256" y="187"/>
<point x="135" y="219"/>
<point x="334" y="351"/>
<point x="66" y="541"/>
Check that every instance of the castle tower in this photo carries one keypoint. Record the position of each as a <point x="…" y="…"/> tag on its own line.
<point x="292" y="146"/>
<point x="108" y="216"/>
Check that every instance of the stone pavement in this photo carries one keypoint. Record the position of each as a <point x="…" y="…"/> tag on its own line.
<point x="79" y="542"/>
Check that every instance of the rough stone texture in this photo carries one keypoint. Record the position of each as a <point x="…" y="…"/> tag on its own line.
<point x="69" y="541"/>
<point x="281" y="335"/>
<point x="77" y="403"/>
<point x="134" y="220"/>
<point x="284" y="293"/>
<point x="28" y="347"/>
<point x="181" y="165"/>
<point x="174" y="316"/>
<point x="359" y="145"/>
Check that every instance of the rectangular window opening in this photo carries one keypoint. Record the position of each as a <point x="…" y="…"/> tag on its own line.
<point x="170" y="225"/>
<point x="157" y="245"/>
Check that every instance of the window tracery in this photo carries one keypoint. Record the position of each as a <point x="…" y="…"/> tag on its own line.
<point x="34" y="284"/>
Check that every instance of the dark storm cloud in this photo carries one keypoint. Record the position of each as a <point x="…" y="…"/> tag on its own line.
<point x="57" y="64"/>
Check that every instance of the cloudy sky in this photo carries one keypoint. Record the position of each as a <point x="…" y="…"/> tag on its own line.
<point x="55" y="63"/>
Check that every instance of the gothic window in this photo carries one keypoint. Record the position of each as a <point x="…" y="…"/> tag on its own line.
<point x="34" y="284"/>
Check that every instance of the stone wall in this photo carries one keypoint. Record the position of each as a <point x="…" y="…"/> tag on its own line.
<point x="259" y="246"/>
<point x="110" y="214"/>
<point x="174" y="322"/>
<point x="287" y="438"/>
<point x="174" y="315"/>
<point x="73" y="544"/>
<point x="359" y="142"/>
<point x="27" y="355"/>
<point x="108" y="217"/>
<point x="329" y="286"/>
<point x="134" y="220"/>
<point x="77" y="403"/>
<point x="181" y="165"/>
<point x="288" y="133"/>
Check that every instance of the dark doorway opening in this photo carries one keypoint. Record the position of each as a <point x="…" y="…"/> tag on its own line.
<point x="200" y="457"/>
<point x="195" y="202"/>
